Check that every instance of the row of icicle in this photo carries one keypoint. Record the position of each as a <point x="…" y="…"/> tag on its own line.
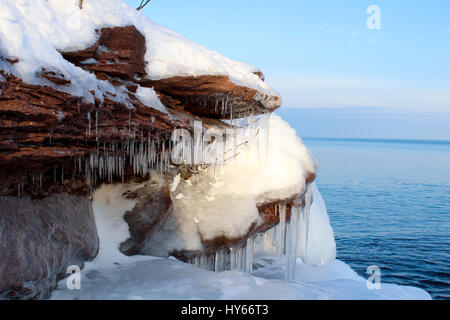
<point x="111" y="161"/>
<point x="286" y="237"/>
<point x="142" y="154"/>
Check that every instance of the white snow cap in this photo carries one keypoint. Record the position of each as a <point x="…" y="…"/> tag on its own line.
<point x="35" y="30"/>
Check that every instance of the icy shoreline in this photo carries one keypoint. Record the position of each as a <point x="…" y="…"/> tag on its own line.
<point x="153" y="278"/>
<point x="113" y="275"/>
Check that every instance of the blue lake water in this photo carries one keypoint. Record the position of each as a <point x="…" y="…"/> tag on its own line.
<point x="389" y="205"/>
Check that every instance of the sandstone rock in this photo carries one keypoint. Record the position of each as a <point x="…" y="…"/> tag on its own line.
<point x="56" y="78"/>
<point x="47" y="135"/>
<point x="153" y="207"/>
<point x="41" y="128"/>
<point x="119" y="52"/>
<point x="39" y="239"/>
<point x="212" y="96"/>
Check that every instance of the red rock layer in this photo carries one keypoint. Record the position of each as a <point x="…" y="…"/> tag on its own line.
<point x="46" y="134"/>
<point x="211" y="96"/>
<point x="42" y="128"/>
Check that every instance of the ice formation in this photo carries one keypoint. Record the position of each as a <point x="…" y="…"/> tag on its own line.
<point x="112" y="275"/>
<point x="266" y="162"/>
<point x="142" y="156"/>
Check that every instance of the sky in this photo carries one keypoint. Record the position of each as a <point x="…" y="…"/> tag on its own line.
<point x="330" y="68"/>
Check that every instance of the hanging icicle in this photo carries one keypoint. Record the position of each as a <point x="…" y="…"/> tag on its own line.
<point x="284" y="238"/>
<point x="281" y="233"/>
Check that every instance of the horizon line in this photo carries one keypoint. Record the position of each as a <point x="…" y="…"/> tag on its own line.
<point x="436" y="141"/>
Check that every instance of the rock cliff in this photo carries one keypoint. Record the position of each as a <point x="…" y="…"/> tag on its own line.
<point x="57" y="147"/>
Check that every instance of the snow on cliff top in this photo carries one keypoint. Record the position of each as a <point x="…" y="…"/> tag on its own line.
<point x="35" y="30"/>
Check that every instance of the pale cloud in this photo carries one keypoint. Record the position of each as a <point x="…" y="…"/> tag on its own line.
<point x="312" y="91"/>
<point x="356" y="33"/>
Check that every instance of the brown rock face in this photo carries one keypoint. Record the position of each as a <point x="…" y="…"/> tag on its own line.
<point x="119" y="52"/>
<point x="42" y="128"/>
<point x="39" y="239"/>
<point x="54" y="147"/>
<point x="45" y="132"/>
<point x="153" y="207"/>
<point x="211" y="96"/>
<point x="56" y="78"/>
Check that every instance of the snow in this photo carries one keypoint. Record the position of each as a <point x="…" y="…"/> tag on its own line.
<point x="109" y="206"/>
<point x="35" y="30"/>
<point x="112" y="275"/>
<point x="222" y="199"/>
<point x="31" y="31"/>
<point x="319" y="248"/>
<point x="157" y="278"/>
<point x="148" y="97"/>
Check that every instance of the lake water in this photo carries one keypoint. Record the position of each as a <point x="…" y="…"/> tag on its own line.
<point x="389" y="205"/>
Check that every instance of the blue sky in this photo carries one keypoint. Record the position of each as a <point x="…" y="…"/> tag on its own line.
<point x="321" y="56"/>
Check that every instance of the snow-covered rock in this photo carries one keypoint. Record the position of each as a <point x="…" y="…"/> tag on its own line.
<point x="92" y="103"/>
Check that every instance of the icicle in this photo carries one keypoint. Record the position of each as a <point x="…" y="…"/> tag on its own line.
<point x="218" y="261"/>
<point x="203" y="261"/>
<point x="226" y="104"/>
<point x="96" y="124"/>
<point x="292" y="242"/>
<point x="281" y="233"/>
<point x="250" y="253"/>
<point x="238" y="257"/>
<point x="306" y="214"/>
<point x="129" y="121"/>
<point x="89" y="125"/>
<point x="233" y="262"/>
<point x="211" y="262"/>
